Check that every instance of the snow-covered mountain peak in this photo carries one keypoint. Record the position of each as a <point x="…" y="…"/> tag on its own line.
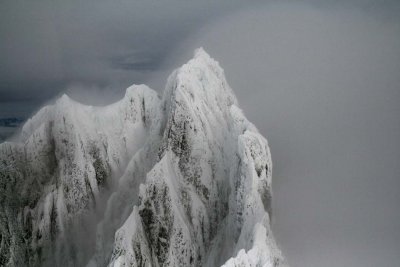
<point x="199" y="83"/>
<point x="64" y="99"/>
<point x="137" y="89"/>
<point x="200" y="52"/>
<point x="181" y="180"/>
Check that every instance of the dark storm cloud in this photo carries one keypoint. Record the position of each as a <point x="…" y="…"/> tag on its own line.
<point x="133" y="63"/>
<point x="49" y="46"/>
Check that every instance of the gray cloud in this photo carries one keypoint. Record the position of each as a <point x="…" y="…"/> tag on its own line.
<point x="322" y="83"/>
<point x="49" y="46"/>
<point x="319" y="79"/>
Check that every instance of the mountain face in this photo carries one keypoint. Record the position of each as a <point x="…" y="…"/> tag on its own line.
<point x="178" y="180"/>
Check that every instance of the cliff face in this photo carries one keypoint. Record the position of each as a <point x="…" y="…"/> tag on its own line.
<point x="55" y="175"/>
<point x="181" y="180"/>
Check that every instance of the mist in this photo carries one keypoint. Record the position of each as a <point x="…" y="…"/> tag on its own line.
<point x="319" y="80"/>
<point x="322" y="84"/>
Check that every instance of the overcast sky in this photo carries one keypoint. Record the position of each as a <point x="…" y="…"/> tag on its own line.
<point x="320" y="80"/>
<point x="51" y="46"/>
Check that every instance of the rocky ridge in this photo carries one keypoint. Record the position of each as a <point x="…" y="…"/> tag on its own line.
<point x="178" y="180"/>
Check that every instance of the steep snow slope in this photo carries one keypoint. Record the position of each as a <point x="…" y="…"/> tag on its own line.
<point x="190" y="180"/>
<point x="209" y="195"/>
<point x="67" y="155"/>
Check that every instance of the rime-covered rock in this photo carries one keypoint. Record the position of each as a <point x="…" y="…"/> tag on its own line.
<point x="67" y="154"/>
<point x="180" y="180"/>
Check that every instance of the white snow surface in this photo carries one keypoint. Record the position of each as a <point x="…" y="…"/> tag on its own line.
<point x="185" y="178"/>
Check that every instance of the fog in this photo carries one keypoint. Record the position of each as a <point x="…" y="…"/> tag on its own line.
<point x="323" y="85"/>
<point x="320" y="80"/>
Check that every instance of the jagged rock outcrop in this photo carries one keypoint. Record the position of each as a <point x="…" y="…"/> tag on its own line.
<point x="54" y="177"/>
<point x="181" y="180"/>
